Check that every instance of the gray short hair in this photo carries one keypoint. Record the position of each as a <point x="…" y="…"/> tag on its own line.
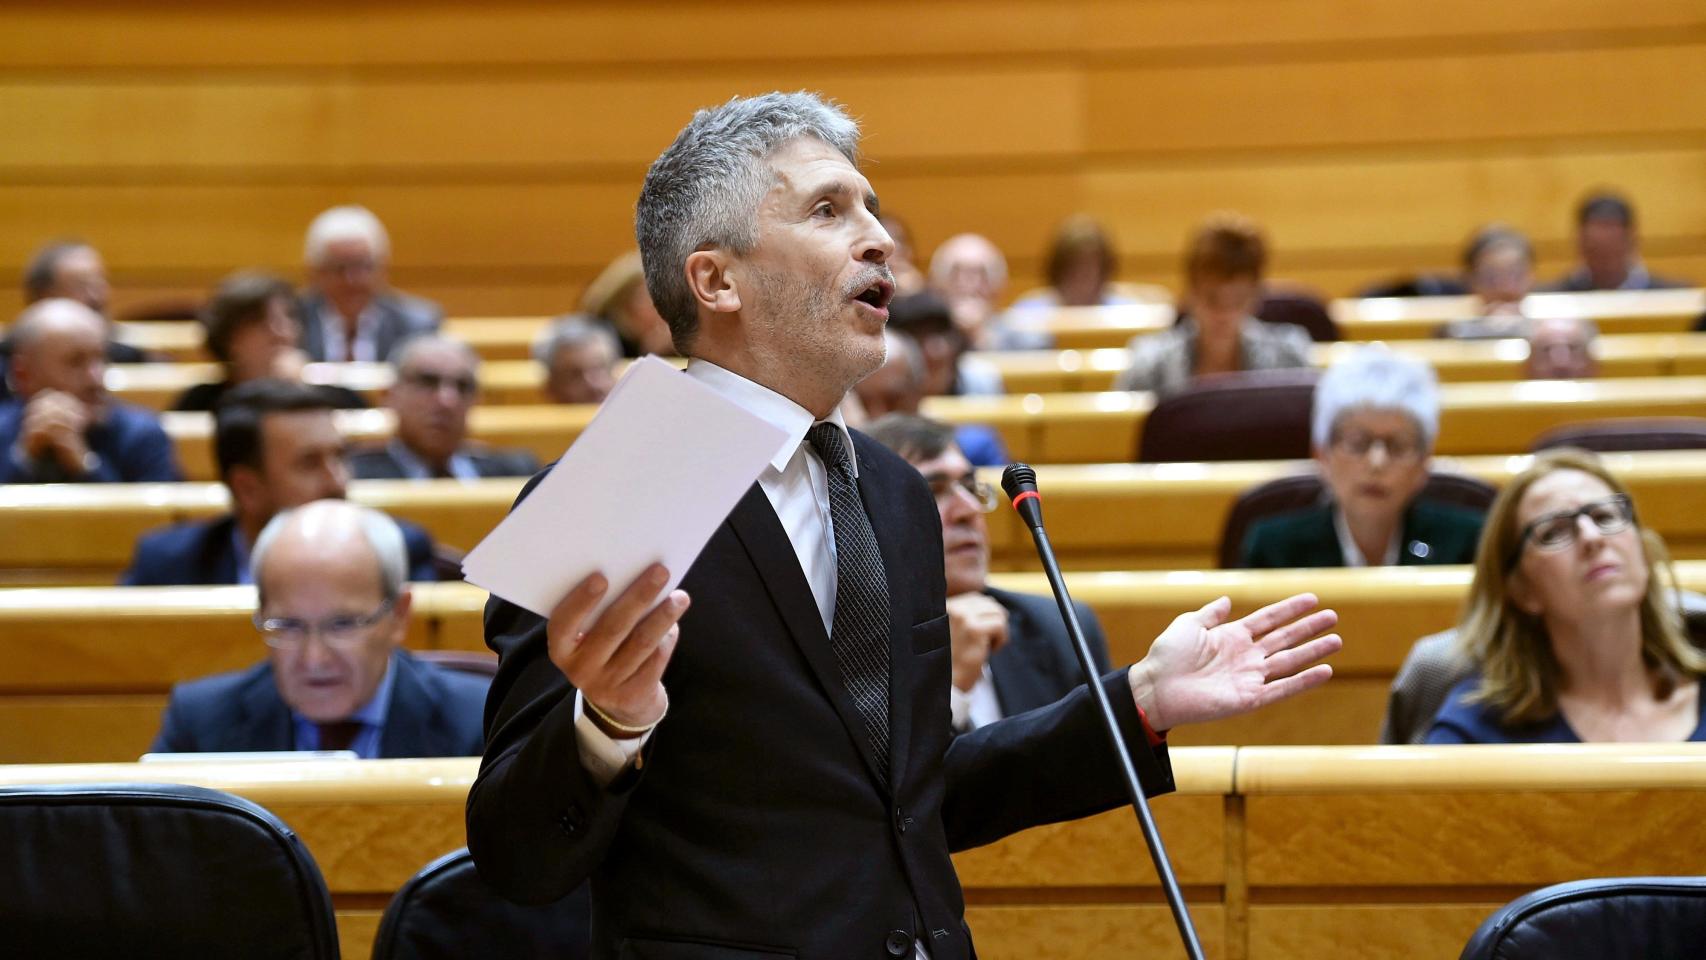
<point x="400" y="354"/>
<point x="344" y="223"/>
<point x="905" y="349"/>
<point x="704" y="189"/>
<point x="1373" y="377"/>
<point x="575" y="330"/>
<point x="379" y="530"/>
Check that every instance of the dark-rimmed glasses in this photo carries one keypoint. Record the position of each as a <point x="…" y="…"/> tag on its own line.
<point x="343" y="631"/>
<point x="1556" y="531"/>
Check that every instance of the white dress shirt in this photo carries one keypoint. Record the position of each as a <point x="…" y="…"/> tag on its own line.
<point x="338" y="347"/>
<point x="1353" y="553"/>
<point x="977" y="707"/>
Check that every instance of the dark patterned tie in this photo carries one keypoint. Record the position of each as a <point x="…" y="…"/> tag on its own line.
<point x="339" y="735"/>
<point x="860" y="635"/>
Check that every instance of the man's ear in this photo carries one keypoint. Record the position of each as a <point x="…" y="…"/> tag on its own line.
<point x="712" y="284"/>
<point x="247" y="488"/>
<point x="400" y="617"/>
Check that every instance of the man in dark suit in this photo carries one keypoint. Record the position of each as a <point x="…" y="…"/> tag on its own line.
<point x="277" y="447"/>
<point x="349" y="311"/>
<point x="1010" y="651"/>
<point x="437" y="379"/>
<point x="804" y="792"/>
<point x="62" y="426"/>
<point x="1610" y="248"/>
<point x="333" y="609"/>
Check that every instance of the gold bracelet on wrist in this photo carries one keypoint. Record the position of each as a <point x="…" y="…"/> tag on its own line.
<point x="612" y="723"/>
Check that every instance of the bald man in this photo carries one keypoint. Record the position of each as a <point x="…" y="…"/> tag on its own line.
<point x="333" y="610"/>
<point x="60" y="426"/>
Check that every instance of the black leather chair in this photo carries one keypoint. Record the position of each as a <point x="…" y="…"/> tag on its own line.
<point x="1301" y="309"/>
<point x="1252" y="415"/>
<point x="1284" y="494"/>
<point x="446" y="912"/>
<point x="480" y="663"/>
<point x="1631" y="918"/>
<point x="1628" y="433"/>
<point x="155" y="870"/>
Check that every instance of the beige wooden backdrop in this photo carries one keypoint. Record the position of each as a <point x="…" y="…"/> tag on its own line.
<point x="503" y="142"/>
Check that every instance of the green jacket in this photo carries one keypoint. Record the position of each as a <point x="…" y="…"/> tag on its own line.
<point x="1433" y="533"/>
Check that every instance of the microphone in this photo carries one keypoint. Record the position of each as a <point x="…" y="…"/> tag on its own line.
<point x="1019" y="481"/>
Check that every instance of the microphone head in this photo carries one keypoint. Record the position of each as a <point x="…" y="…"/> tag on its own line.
<point x="1017" y="478"/>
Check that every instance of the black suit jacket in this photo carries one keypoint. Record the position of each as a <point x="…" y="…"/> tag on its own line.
<point x="1433" y="533"/>
<point x="1038" y="665"/>
<point x="433" y="712"/>
<point x="756" y="824"/>
<point x="202" y="552"/>
<point x="378" y="463"/>
<point x="400" y="317"/>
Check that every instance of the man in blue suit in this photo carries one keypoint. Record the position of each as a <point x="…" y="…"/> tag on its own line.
<point x="277" y="447"/>
<point x="61" y="426"/>
<point x="333" y="609"/>
<point x="1010" y="651"/>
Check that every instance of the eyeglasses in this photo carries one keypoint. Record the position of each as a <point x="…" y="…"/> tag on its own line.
<point x="1359" y="444"/>
<point x="344" y="632"/>
<point x="944" y="488"/>
<point x="1556" y="531"/>
<point x="434" y="382"/>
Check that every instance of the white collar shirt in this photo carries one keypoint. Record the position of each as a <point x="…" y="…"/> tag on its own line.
<point x="336" y="343"/>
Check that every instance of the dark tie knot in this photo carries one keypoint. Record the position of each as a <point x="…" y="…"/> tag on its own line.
<point x="830" y="442"/>
<point x="340" y="734"/>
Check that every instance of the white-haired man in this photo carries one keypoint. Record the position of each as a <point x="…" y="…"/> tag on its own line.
<point x="349" y="311"/>
<point x="804" y="793"/>
<point x="333" y="608"/>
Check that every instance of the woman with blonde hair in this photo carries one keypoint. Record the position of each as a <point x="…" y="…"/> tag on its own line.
<point x="1572" y="620"/>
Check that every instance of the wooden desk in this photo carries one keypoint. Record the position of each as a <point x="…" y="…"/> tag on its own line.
<point x="1283" y="853"/>
<point x="494" y="338"/>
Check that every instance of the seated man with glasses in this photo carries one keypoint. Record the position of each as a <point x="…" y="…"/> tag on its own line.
<point x="333" y="608"/>
<point x="436" y="384"/>
<point x="1011" y="652"/>
<point x="1374" y="424"/>
<point x="1571" y="631"/>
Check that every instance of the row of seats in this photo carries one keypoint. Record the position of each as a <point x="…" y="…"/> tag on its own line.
<point x="1282" y="853"/>
<point x="1411" y="318"/>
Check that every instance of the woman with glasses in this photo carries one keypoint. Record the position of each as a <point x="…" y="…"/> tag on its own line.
<point x="1570" y="622"/>
<point x="1373" y="428"/>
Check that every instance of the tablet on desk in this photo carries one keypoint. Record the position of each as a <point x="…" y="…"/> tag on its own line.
<point x="278" y="755"/>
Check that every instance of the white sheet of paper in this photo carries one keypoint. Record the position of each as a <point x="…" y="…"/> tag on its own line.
<point x="650" y="479"/>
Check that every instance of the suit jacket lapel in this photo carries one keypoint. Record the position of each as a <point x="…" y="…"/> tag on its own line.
<point x="265" y="723"/>
<point x="890" y="528"/>
<point x="411" y="719"/>
<point x="755" y="524"/>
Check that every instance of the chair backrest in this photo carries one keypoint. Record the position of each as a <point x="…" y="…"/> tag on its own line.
<point x="446" y="912"/>
<point x="1251" y="415"/>
<point x="1632" y="917"/>
<point x="155" y="870"/>
<point x="1302" y="310"/>
<point x="481" y="663"/>
<point x="1284" y="494"/>
<point x="1632" y="433"/>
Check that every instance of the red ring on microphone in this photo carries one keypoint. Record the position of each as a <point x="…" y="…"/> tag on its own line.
<point x="1027" y="495"/>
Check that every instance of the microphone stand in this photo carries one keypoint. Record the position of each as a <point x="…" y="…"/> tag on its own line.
<point x="1020" y="483"/>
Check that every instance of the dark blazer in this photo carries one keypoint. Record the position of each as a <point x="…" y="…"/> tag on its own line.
<point x="206" y="396"/>
<point x="1462" y="720"/>
<point x="401" y="316"/>
<point x="433" y="712"/>
<point x="1038" y="665"/>
<point x="756" y="825"/>
<point x="132" y="447"/>
<point x="377" y="463"/>
<point x="1434" y="533"/>
<point x="202" y="552"/>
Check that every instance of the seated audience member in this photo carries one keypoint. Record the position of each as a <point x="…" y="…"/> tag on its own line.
<point x="926" y="319"/>
<point x="1224" y="266"/>
<point x="970" y="274"/>
<point x="60" y="426"/>
<point x="1498" y="263"/>
<point x="1569" y="620"/>
<point x="1081" y="263"/>
<point x="437" y="381"/>
<point x="251" y="328"/>
<point x="619" y="297"/>
<point x="898" y="387"/>
<point x="333" y="607"/>
<point x="1373" y="428"/>
<point x="1610" y="248"/>
<point x="277" y="447"/>
<point x="349" y="311"/>
<point x="903" y="263"/>
<point x="73" y="270"/>
<point x="1011" y="651"/>
<point x="1561" y="348"/>
<point x="579" y="356"/>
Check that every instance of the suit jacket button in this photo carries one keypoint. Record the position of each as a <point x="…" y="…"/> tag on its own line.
<point x="901" y="819"/>
<point x="899" y="943"/>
